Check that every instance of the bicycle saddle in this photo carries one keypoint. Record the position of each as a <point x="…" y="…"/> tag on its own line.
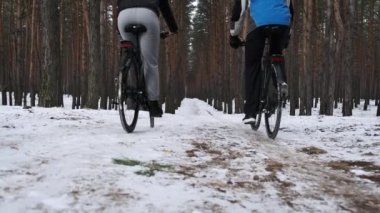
<point x="272" y="29"/>
<point x="135" y="28"/>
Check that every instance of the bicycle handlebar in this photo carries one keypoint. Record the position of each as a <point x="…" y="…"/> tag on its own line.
<point x="165" y="34"/>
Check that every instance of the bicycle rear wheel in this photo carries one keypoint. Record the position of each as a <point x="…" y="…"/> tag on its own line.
<point x="273" y="108"/>
<point x="127" y="96"/>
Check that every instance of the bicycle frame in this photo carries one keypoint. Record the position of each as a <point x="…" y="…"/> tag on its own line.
<point x="266" y="69"/>
<point x="268" y="106"/>
<point x="131" y="60"/>
<point x="136" y="56"/>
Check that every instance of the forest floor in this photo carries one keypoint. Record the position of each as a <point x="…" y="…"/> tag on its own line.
<point x="198" y="160"/>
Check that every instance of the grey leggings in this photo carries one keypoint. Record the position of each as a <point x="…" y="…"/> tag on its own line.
<point x="149" y="44"/>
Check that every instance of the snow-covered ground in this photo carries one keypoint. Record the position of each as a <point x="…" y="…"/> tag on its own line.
<point x="198" y="160"/>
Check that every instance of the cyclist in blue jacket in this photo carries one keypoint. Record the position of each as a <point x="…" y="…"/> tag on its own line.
<point x="262" y="13"/>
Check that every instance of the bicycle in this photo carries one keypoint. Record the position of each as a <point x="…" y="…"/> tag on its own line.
<point x="272" y="92"/>
<point x="131" y="91"/>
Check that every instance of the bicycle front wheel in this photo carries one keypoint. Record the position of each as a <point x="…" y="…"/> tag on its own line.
<point x="273" y="108"/>
<point x="127" y="96"/>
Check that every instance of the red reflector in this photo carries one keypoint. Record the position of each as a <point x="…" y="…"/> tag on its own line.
<point x="126" y="44"/>
<point x="278" y="59"/>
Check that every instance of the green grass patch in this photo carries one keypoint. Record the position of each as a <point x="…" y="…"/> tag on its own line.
<point x="149" y="168"/>
<point x="159" y="167"/>
<point x="126" y="162"/>
<point x="148" y="173"/>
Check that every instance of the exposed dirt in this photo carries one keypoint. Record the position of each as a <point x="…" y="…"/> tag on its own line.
<point x="299" y="181"/>
<point x="313" y="150"/>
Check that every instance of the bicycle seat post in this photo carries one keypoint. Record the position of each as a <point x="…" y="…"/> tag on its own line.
<point x="136" y="29"/>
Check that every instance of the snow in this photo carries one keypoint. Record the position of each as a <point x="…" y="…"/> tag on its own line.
<point x="61" y="160"/>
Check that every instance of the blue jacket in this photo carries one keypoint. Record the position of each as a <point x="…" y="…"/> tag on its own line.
<point x="268" y="12"/>
<point x="263" y="12"/>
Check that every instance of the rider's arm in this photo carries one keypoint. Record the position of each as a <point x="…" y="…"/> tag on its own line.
<point x="237" y="18"/>
<point x="290" y="3"/>
<point x="167" y="13"/>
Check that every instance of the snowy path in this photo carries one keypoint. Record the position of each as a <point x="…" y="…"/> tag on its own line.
<point x="59" y="160"/>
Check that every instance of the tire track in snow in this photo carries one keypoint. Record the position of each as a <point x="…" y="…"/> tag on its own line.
<point x="301" y="181"/>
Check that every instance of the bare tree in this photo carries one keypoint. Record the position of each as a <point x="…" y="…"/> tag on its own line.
<point x="348" y="11"/>
<point x="328" y="76"/>
<point x="49" y="95"/>
<point x="306" y="73"/>
<point x="32" y="53"/>
<point x="95" y="57"/>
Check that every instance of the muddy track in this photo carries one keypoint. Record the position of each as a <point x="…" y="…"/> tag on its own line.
<point x="300" y="180"/>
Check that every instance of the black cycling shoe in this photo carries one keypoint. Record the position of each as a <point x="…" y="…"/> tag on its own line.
<point x="249" y="119"/>
<point x="284" y="89"/>
<point x="155" y="109"/>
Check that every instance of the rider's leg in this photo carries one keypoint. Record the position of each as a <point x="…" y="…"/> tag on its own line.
<point x="149" y="43"/>
<point x="279" y="41"/>
<point x="254" y="48"/>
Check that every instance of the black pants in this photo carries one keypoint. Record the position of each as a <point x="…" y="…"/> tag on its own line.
<point x="254" y="48"/>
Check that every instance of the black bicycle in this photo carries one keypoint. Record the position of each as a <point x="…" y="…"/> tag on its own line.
<point x="272" y="92"/>
<point x="131" y="90"/>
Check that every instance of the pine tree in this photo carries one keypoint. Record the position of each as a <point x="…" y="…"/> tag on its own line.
<point x="49" y="95"/>
<point x="95" y="57"/>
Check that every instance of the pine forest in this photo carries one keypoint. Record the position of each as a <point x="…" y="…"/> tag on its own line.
<point x="52" y="48"/>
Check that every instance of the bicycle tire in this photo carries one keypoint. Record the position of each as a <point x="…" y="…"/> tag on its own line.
<point x="151" y="122"/>
<point x="264" y="79"/>
<point x="256" y="125"/>
<point x="273" y="108"/>
<point x="127" y="96"/>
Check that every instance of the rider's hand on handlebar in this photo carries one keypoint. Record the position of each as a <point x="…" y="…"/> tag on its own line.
<point x="165" y="34"/>
<point x="236" y="42"/>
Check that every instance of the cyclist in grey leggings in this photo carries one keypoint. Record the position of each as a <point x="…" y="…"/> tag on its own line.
<point x="147" y="12"/>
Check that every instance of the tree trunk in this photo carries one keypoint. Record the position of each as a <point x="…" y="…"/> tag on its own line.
<point x="378" y="99"/>
<point x="370" y="53"/>
<point x="49" y="93"/>
<point x="294" y="65"/>
<point x="2" y="58"/>
<point x="4" y="97"/>
<point x="17" y="68"/>
<point x="348" y="10"/>
<point x="83" y="75"/>
<point x="306" y="82"/>
<point x="32" y="54"/>
<point x="94" y="53"/>
<point x="103" y="73"/>
<point x="328" y="79"/>
<point x="6" y="62"/>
